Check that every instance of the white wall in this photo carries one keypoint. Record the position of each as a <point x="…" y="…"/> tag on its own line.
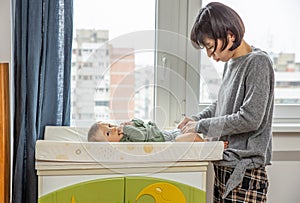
<point x="5" y="31"/>
<point x="284" y="173"/>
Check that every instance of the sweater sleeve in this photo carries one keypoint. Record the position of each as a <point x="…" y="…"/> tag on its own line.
<point x="208" y="112"/>
<point x="256" y="102"/>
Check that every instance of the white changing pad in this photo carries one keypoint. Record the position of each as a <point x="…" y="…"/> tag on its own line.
<point x="120" y="152"/>
<point x="66" y="133"/>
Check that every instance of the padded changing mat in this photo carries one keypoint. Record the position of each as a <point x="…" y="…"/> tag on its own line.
<point x="119" y="152"/>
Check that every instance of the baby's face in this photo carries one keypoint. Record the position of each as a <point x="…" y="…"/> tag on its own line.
<point x="108" y="132"/>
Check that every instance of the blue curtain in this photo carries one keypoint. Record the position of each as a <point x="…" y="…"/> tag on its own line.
<point x="42" y="65"/>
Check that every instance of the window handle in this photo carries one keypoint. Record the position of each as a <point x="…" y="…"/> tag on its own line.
<point x="164" y="63"/>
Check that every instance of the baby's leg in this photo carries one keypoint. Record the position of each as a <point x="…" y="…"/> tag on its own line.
<point x="170" y="135"/>
<point x="189" y="137"/>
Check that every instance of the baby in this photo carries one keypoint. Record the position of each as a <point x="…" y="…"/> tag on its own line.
<point x="137" y="130"/>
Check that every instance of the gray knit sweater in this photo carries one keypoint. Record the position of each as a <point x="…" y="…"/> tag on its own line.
<point x="242" y="114"/>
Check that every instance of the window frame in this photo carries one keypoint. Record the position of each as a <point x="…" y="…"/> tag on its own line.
<point x="285" y="115"/>
<point x="175" y="54"/>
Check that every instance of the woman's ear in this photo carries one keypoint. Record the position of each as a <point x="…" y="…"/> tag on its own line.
<point x="230" y="36"/>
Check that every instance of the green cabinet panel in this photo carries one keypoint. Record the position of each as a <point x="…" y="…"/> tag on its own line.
<point x="49" y="198"/>
<point x="109" y="190"/>
<point x="127" y="190"/>
<point x="155" y="190"/>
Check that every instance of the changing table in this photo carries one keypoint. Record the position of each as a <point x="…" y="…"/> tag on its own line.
<point x="76" y="171"/>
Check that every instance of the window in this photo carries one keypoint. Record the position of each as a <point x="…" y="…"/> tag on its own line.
<point x="271" y="26"/>
<point x="112" y="61"/>
<point x="185" y="82"/>
<point x="101" y="103"/>
<point x="114" y="41"/>
<point x="274" y="31"/>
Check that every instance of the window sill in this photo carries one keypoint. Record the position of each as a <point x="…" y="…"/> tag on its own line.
<point x="286" y="127"/>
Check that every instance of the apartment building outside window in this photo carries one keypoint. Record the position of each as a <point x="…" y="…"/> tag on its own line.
<point x="111" y="80"/>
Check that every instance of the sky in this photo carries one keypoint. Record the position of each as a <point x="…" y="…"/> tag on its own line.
<point x="270" y="24"/>
<point x="120" y="18"/>
<point x="117" y="16"/>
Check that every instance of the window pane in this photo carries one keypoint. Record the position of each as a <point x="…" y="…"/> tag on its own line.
<point x="272" y="26"/>
<point x="112" y="61"/>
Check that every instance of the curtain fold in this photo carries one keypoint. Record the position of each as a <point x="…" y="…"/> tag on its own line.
<point x="42" y="65"/>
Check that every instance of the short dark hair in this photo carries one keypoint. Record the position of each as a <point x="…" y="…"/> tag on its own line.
<point x="93" y="131"/>
<point x="214" y="21"/>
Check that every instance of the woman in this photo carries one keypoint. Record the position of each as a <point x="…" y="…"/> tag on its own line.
<point x="242" y="115"/>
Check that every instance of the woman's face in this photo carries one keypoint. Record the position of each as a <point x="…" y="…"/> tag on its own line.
<point x="218" y="55"/>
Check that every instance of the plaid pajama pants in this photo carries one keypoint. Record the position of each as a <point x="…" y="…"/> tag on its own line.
<point x="253" y="188"/>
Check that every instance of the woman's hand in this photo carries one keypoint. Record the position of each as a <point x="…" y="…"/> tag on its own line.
<point x="184" y="122"/>
<point x="190" y="127"/>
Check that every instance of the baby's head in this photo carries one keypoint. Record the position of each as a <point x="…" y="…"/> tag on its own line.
<point x="104" y="132"/>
